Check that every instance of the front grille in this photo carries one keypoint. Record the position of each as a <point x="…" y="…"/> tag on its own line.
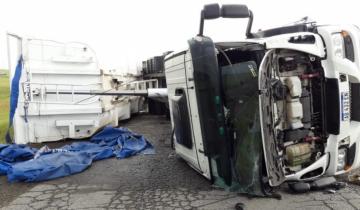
<point x="332" y="108"/>
<point x="355" y="101"/>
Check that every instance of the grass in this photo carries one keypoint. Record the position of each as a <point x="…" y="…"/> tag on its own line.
<point x="4" y="103"/>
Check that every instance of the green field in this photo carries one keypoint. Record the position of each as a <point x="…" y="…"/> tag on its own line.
<point x="4" y="103"/>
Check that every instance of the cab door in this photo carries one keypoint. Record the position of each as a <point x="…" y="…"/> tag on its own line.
<point x="180" y="109"/>
<point x="207" y="108"/>
<point x="203" y="160"/>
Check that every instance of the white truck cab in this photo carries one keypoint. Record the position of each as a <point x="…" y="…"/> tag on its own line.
<point x="281" y="105"/>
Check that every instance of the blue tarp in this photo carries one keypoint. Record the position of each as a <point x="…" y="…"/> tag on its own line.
<point x="14" y="95"/>
<point x="22" y="163"/>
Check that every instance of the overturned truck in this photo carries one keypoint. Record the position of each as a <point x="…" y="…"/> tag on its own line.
<point x="281" y="105"/>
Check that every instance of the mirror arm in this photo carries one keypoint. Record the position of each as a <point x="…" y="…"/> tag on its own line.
<point x="201" y="30"/>
<point x="249" y="25"/>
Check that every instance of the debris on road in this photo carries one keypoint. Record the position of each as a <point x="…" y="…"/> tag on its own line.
<point x="239" y="206"/>
<point x="329" y="184"/>
<point x="354" y="179"/>
<point x="154" y="182"/>
<point x="23" y="163"/>
<point x="331" y="191"/>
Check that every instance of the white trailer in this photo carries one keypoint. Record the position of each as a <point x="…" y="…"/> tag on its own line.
<point x="51" y="66"/>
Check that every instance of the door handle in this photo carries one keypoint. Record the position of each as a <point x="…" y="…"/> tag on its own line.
<point x="179" y="92"/>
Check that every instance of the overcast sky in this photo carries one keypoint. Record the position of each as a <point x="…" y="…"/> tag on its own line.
<point x="123" y="33"/>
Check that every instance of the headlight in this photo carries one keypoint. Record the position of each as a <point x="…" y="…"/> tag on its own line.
<point x="338" y="45"/>
<point x="348" y="46"/>
<point x="343" y="45"/>
<point x="341" y="160"/>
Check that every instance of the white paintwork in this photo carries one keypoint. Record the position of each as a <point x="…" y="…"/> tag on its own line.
<point x="157" y="92"/>
<point x="125" y="105"/>
<point x="262" y="68"/>
<point x="332" y="65"/>
<point x="176" y="78"/>
<point x="179" y="74"/>
<point x="320" y="163"/>
<point x="204" y="164"/>
<point x="55" y="66"/>
<point x="71" y="125"/>
<point x="281" y="42"/>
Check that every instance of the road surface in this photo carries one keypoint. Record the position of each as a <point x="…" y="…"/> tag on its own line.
<point x="161" y="181"/>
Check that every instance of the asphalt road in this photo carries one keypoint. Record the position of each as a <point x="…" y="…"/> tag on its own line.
<point x="161" y="181"/>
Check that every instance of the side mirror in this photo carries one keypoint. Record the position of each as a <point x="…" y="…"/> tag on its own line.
<point x="210" y="11"/>
<point x="213" y="11"/>
<point x="234" y="11"/>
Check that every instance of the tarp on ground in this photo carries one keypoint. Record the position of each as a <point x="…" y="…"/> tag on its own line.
<point x="23" y="163"/>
